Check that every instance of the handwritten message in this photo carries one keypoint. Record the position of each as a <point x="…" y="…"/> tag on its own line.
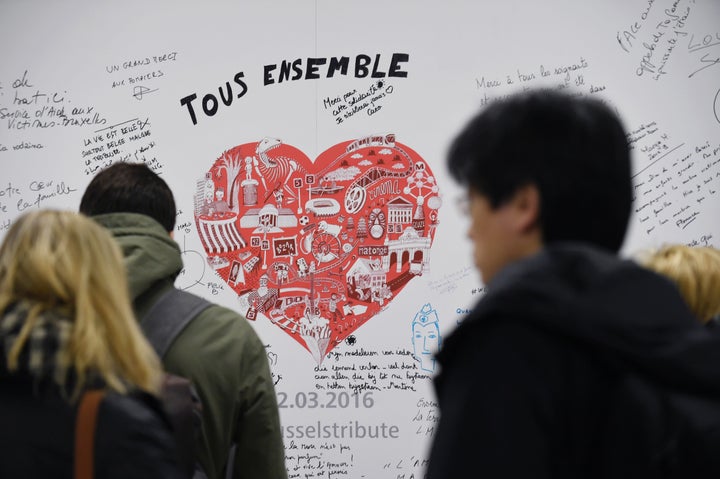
<point x="674" y="179"/>
<point x="426" y="418"/>
<point x="660" y="32"/>
<point x="326" y="460"/>
<point x="703" y="240"/>
<point x="350" y="103"/>
<point x="705" y="48"/>
<point x="17" y="198"/>
<point x="449" y="282"/>
<point x="371" y="370"/>
<point x="27" y="107"/>
<point x="559" y="76"/>
<point x="140" y="75"/>
<point x="130" y="141"/>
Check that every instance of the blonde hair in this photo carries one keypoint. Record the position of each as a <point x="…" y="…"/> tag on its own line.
<point x="59" y="261"/>
<point x="695" y="271"/>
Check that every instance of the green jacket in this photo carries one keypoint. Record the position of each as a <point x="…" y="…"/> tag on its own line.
<point x="219" y="351"/>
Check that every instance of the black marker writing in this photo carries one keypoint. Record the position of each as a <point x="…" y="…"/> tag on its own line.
<point x="210" y="104"/>
<point x="363" y="66"/>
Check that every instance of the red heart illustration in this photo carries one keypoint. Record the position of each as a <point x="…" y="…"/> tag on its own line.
<point x="318" y="248"/>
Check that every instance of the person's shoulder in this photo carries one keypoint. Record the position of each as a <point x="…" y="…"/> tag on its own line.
<point x="483" y="326"/>
<point x="216" y="335"/>
<point x="497" y="333"/>
<point x="210" y="317"/>
<point x="224" y="319"/>
<point x="226" y="331"/>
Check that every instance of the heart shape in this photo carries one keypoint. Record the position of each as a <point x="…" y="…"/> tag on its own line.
<point x="318" y="248"/>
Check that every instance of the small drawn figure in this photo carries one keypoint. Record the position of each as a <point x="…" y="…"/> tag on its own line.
<point x="325" y="227"/>
<point x="249" y="167"/>
<point x="263" y="288"/>
<point x="333" y="302"/>
<point x="381" y="294"/>
<point x="209" y="194"/>
<point x="278" y="193"/>
<point x="302" y="267"/>
<point x="426" y="337"/>
<point x="281" y="273"/>
<point x="219" y="205"/>
<point x="236" y="271"/>
<point x="251" y="313"/>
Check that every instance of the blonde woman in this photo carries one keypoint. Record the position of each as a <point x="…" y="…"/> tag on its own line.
<point x="66" y="326"/>
<point x="695" y="271"/>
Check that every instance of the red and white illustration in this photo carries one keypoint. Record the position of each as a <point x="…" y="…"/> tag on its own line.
<point x="318" y="248"/>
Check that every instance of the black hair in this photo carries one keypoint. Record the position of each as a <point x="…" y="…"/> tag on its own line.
<point x="130" y="188"/>
<point x="573" y="149"/>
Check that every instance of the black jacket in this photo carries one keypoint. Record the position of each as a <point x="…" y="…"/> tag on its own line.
<point x="37" y="430"/>
<point x="524" y="380"/>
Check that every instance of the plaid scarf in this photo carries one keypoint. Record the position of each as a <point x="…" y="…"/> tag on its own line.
<point x="43" y="354"/>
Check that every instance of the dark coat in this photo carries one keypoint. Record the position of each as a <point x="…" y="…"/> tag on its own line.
<point x="37" y="430"/>
<point x="524" y="380"/>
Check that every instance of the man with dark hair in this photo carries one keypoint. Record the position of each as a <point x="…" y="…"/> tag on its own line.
<point x="526" y="380"/>
<point x="218" y="349"/>
<point x="130" y="188"/>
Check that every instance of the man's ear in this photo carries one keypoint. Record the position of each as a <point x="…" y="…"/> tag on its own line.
<point x="526" y="206"/>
